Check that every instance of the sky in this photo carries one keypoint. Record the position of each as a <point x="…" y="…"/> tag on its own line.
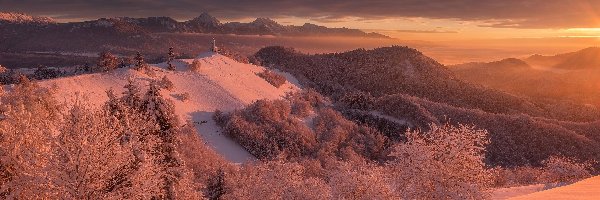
<point x="407" y="19"/>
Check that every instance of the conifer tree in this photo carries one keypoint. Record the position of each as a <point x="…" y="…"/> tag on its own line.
<point x="106" y="62"/>
<point x="216" y="186"/>
<point x="132" y="96"/>
<point x="139" y="61"/>
<point x="170" y="58"/>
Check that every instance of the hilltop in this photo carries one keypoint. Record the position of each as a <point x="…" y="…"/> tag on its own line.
<point x="221" y="84"/>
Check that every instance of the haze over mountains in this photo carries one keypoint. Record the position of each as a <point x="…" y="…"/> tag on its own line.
<point x="585" y="59"/>
<point x="151" y="99"/>
<point x="573" y="77"/>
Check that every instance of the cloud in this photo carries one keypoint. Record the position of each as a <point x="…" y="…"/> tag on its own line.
<point x="424" y="31"/>
<point x="492" y="13"/>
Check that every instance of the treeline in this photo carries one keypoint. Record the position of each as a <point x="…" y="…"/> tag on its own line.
<point x="347" y="160"/>
<point x="403" y="83"/>
<point x="402" y="70"/>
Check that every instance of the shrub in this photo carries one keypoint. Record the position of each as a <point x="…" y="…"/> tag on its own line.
<point x="518" y="176"/>
<point x="42" y="73"/>
<point x="199" y="158"/>
<point x="273" y="78"/>
<point x="357" y="100"/>
<point x="184" y="96"/>
<point x="274" y="180"/>
<point x="564" y="170"/>
<point x="166" y="83"/>
<point x="267" y="130"/>
<point x="106" y="62"/>
<point x="195" y="65"/>
<point x="340" y="138"/>
<point x="304" y="101"/>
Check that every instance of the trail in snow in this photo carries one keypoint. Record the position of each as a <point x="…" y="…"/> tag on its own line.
<point x="221" y="83"/>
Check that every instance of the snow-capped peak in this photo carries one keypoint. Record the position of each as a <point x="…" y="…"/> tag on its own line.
<point x="266" y="22"/>
<point x="20" y="18"/>
<point x="206" y="18"/>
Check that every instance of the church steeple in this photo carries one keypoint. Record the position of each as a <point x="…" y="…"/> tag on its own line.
<point x="214" y="47"/>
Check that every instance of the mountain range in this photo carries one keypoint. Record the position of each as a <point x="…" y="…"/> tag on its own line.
<point x="570" y="77"/>
<point x="205" y="23"/>
<point x="588" y="58"/>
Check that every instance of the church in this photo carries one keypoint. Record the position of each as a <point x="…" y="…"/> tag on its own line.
<point x="214" y="47"/>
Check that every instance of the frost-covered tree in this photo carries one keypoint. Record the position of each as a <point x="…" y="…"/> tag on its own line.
<point x="48" y="152"/>
<point x="166" y="83"/>
<point x="215" y="188"/>
<point x="106" y="62"/>
<point x="170" y="58"/>
<point x="125" y="62"/>
<point x="132" y="96"/>
<point x="30" y="117"/>
<point x="561" y="169"/>
<point x="445" y="162"/>
<point x="2" y="69"/>
<point x="139" y="63"/>
<point x="274" y="180"/>
<point x="46" y="73"/>
<point x="349" y="181"/>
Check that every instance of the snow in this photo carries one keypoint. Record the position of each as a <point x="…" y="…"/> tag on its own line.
<point x="586" y="189"/>
<point x="23" y="18"/>
<point x="392" y="119"/>
<point x="221" y="83"/>
<point x="506" y="193"/>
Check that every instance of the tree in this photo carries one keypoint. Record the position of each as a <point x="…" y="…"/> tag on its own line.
<point x="31" y="116"/>
<point x="170" y="58"/>
<point x="216" y="186"/>
<point x="47" y="152"/>
<point x="132" y="97"/>
<point x="46" y="73"/>
<point x="443" y="163"/>
<point x="2" y="69"/>
<point x="140" y="64"/>
<point x="166" y="83"/>
<point x="562" y="169"/>
<point x="106" y="62"/>
<point x="126" y="62"/>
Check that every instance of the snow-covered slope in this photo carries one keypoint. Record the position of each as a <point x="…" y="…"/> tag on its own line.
<point x="221" y="83"/>
<point x="20" y="18"/>
<point x="586" y="189"/>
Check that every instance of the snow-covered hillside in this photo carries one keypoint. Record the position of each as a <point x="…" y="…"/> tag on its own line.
<point x="23" y="18"/>
<point x="221" y="83"/>
<point x="585" y="189"/>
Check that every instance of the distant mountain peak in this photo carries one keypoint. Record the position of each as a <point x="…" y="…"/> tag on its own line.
<point x="206" y="18"/>
<point x="590" y="50"/>
<point x="265" y="21"/>
<point x="20" y="18"/>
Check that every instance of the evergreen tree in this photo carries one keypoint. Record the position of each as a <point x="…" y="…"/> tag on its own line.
<point x="170" y="58"/>
<point x="139" y="62"/>
<point x="106" y="62"/>
<point x="125" y="62"/>
<point x="166" y="83"/>
<point x="132" y="96"/>
<point x="216" y="186"/>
